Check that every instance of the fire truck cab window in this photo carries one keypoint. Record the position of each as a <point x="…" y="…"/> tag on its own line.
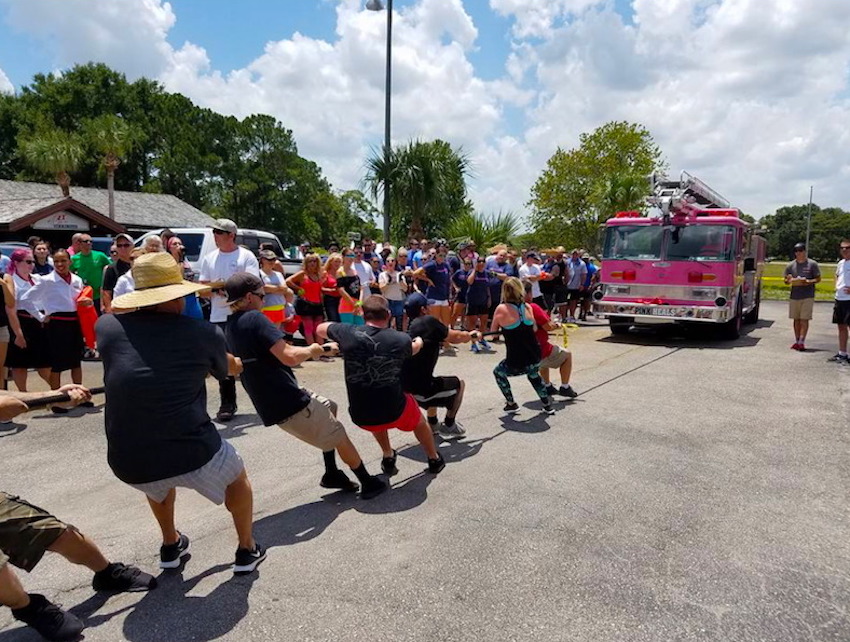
<point x="633" y="242"/>
<point x="702" y="243"/>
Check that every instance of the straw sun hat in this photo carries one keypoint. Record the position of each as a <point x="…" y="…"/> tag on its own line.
<point x="158" y="279"/>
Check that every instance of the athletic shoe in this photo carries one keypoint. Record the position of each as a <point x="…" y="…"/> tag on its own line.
<point x="551" y="390"/>
<point x="59" y="410"/>
<point x="511" y="407"/>
<point x="802" y="347"/>
<point x="436" y="465"/>
<point x="475" y="347"/>
<point x="48" y="619"/>
<point x="795" y="346"/>
<point x="547" y="406"/>
<point x="566" y="391"/>
<point x="455" y="431"/>
<point x="170" y="554"/>
<point x="121" y="578"/>
<point x="840" y="358"/>
<point x="388" y="465"/>
<point x="571" y="320"/>
<point x="338" y="479"/>
<point x="247" y="561"/>
<point x="87" y="404"/>
<point x="485" y="345"/>
<point x="373" y="487"/>
<point x="225" y="413"/>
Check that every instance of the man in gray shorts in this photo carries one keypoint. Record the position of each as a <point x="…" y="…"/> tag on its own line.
<point x="158" y="432"/>
<point x="267" y="376"/>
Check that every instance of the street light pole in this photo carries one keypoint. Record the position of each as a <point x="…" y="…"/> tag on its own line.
<point x="377" y="5"/>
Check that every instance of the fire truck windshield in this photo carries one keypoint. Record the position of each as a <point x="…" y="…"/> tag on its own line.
<point x="633" y="242"/>
<point x="701" y="243"/>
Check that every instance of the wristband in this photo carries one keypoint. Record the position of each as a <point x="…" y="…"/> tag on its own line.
<point x="358" y="304"/>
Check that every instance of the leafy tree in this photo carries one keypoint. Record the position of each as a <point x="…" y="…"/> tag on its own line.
<point x="427" y="186"/>
<point x="111" y="137"/>
<point x="485" y="231"/>
<point x="54" y="153"/>
<point x="787" y="226"/>
<point x="581" y="188"/>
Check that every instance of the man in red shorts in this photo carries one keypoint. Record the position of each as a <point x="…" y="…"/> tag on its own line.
<point x="374" y="354"/>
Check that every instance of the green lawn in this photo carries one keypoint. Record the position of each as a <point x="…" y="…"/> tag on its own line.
<point x="773" y="285"/>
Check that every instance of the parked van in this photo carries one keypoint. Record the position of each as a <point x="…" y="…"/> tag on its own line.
<point x="199" y="242"/>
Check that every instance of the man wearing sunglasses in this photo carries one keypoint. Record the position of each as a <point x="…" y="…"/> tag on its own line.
<point x="841" y="311"/>
<point x="801" y="274"/>
<point x="216" y="267"/>
<point x="88" y="264"/>
<point x="123" y="248"/>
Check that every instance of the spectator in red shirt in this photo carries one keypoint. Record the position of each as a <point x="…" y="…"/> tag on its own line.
<point x="552" y="356"/>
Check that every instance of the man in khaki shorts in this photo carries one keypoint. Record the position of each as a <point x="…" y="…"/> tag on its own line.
<point x="801" y="274"/>
<point x="267" y="376"/>
<point x="552" y="356"/>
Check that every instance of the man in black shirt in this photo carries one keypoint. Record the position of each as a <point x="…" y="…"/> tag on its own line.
<point x="417" y="373"/>
<point x="159" y="435"/>
<point x="374" y="355"/>
<point x="267" y="377"/>
<point x="122" y="265"/>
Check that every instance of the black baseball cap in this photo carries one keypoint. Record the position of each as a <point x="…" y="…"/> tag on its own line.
<point x="414" y="304"/>
<point x="241" y="284"/>
<point x="800" y="246"/>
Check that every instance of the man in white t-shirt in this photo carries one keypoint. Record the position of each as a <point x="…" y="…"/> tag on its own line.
<point x="216" y="267"/>
<point x="530" y="271"/>
<point x="841" y="311"/>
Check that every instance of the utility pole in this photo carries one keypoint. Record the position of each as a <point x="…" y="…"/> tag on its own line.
<point x="809" y="218"/>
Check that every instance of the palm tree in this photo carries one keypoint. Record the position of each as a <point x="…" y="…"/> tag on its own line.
<point x="54" y="152"/>
<point x="428" y="180"/>
<point x="485" y="231"/>
<point x="619" y="193"/>
<point x="114" y="138"/>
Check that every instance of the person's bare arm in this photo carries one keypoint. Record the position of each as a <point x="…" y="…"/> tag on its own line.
<point x="290" y="355"/>
<point x="13" y="404"/>
<point x="416" y="345"/>
<point x="322" y="330"/>
<point x="294" y="281"/>
<point x="462" y="336"/>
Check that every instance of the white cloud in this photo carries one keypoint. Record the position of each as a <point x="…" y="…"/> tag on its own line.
<point x="6" y="86"/>
<point x="751" y="95"/>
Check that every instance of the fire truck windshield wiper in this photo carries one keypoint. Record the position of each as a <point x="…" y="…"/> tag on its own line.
<point x="625" y="258"/>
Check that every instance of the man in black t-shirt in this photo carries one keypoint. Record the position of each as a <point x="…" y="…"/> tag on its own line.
<point x="374" y="355"/>
<point x="159" y="435"/>
<point x="417" y="373"/>
<point x="111" y="273"/>
<point x="267" y="377"/>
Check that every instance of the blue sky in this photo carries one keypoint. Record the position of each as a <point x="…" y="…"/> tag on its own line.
<point x="726" y="87"/>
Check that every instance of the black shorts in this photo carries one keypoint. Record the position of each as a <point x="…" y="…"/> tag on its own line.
<point x="841" y="313"/>
<point x="443" y="392"/>
<point x="574" y="295"/>
<point x="476" y="309"/>
<point x="561" y="294"/>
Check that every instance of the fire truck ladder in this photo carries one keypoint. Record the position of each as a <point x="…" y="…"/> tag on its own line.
<point x="688" y="189"/>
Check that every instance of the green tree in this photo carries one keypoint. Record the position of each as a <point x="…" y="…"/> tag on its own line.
<point x="427" y="186"/>
<point x="787" y="226"/>
<point x="581" y="188"/>
<point x="56" y="154"/>
<point x="485" y="231"/>
<point x="113" y="138"/>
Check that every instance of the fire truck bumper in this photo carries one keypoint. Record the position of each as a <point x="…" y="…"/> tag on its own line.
<point x="655" y="313"/>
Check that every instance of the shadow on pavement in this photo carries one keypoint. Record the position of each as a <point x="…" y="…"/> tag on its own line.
<point x="678" y="336"/>
<point x="237" y="426"/>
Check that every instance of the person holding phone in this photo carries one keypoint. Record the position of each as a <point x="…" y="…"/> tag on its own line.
<point x="801" y="274"/>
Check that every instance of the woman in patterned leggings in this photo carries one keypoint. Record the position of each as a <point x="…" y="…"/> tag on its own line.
<point x="516" y="321"/>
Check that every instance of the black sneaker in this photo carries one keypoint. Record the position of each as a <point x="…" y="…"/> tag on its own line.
<point x="225" y="413"/>
<point x="338" y="479"/>
<point x="247" y="561"/>
<point x="87" y="404"/>
<point x="373" y="487"/>
<point x="551" y="390"/>
<point x="839" y="358"/>
<point x="436" y="465"/>
<point x="169" y="556"/>
<point x="547" y="407"/>
<point x="511" y="407"/>
<point x="566" y="391"/>
<point x="388" y="465"/>
<point x="59" y="410"/>
<point x="49" y="620"/>
<point x="121" y="578"/>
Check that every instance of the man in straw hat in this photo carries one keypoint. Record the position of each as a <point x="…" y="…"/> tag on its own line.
<point x="279" y="400"/>
<point x="158" y="432"/>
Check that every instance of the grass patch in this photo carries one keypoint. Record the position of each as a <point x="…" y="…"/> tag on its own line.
<point x="773" y="286"/>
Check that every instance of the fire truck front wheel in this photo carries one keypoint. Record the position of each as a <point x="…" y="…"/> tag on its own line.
<point x="620" y="325"/>
<point x="731" y="330"/>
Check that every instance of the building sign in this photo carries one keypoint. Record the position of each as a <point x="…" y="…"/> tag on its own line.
<point x="62" y="221"/>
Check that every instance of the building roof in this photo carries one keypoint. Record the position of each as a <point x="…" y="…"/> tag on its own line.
<point x="134" y="210"/>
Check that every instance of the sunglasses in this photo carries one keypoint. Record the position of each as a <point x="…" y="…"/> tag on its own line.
<point x="845" y="247"/>
<point x="804" y="250"/>
<point x="123" y="245"/>
<point x="85" y="241"/>
<point x="259" y="295"/>
<point x="28" y="261"/>
<point x="220" y="232"/>
<point x="350" y="256"/>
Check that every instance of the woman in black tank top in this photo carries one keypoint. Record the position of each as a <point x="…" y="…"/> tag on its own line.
<point x="516" y="321"/>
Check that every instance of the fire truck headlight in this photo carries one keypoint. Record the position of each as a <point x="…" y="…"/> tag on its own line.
<point x="618" y="289"/>
<point x="704" y="293"/>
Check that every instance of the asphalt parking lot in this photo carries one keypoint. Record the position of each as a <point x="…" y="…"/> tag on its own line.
<point x="696" y="490"/>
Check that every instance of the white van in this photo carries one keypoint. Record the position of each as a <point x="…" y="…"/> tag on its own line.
<point x="199" y="242"/>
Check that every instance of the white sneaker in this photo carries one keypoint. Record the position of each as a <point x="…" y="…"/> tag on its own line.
<point x="455" y="431"/>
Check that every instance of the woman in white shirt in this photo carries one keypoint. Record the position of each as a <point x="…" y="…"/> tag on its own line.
<point x="57" y="295"/>
<point x="393" y="286"/>
<point x="27" y="348"/>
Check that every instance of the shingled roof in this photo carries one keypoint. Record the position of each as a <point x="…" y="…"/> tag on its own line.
<point x="134" y="210"/>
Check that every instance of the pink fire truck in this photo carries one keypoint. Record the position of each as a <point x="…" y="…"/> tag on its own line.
<point x="689" y="258"/>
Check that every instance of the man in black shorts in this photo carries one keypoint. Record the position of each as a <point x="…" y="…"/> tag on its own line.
<point x="417" y="373"/>
<point x="267" y="376"/>
<point x="374" y="354"/>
